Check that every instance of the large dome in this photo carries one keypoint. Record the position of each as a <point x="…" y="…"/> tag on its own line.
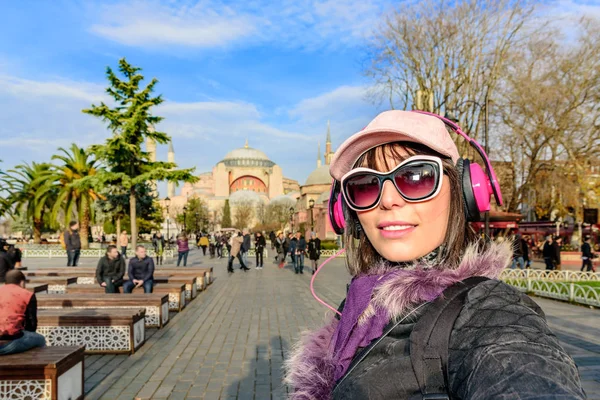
<point x="247" y="156"/>
<point x="319" y="176"/>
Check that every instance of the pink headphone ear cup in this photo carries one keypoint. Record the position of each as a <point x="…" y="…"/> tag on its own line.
<point x="338" y="213"/>
<point x="482" y="187"/>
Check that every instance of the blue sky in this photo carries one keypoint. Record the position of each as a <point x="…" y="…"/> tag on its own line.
<point x="270" y="71"/>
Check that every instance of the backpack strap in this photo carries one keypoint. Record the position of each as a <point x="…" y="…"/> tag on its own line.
<point x="430" y="336"/>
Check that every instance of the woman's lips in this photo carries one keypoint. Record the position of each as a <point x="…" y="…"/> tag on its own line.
<point x="395" y="229"/>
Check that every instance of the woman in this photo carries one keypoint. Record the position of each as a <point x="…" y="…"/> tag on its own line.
<point x="203" y="242"/>
<point x="314" y="251"/>
<point x="259" y="248"/>
<point x="403" y="198"/>
<point x="159" y="247"/>
<point x="183" y="249"/>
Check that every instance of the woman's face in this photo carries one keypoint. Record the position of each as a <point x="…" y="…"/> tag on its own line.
<point x="401" y="231"/>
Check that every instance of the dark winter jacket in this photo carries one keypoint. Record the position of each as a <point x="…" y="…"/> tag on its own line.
<point x="260" y="242"/>
<point x="586" y="250"/>
<point x="314" y="249"/>
<point x="549" y="251"/>
<point x="500" y="346"/>
<point x="72" y="240"/>
<point x="141" y="269"/>
<point x="113" y="269"/>
<point x="246" y="243"/>
<point x="301" y="245"/>
<point x="6" y="264"/>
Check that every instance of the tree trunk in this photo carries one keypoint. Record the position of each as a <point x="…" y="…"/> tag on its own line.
<point x="84" y="223"/>
<point x="37" y="230"/>
<point x="118" y="231"/>
<point x="132" y="216"/>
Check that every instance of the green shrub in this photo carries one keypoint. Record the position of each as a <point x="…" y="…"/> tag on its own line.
<point x="329" y="245"/>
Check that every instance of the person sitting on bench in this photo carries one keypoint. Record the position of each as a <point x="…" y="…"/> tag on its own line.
<point x="110" y="270"/>
<point x="140" y="272"/>
<point x="18" y="316"/>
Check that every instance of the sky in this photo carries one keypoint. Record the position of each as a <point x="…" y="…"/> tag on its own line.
<point x="272" y="72"/>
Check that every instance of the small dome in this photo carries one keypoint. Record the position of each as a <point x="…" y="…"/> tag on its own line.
<point x="247" y="157"/>
<point x="319" y="176"/>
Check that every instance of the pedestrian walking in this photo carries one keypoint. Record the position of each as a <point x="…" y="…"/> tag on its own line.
<point x="72" y="244"/>
<point x="300" y="250"/>
<point x="236" y="242"/>
<point x="587" y="256"/>
<point x="203" y="242"/>
<point x="280" y="248"/>
<point x="183" y="249"/>
<point x="549" y="253"/>
<point x="272" y="238"/>
<point x="526" y="256"/>
<point x="425" y="316"/>
<point x="314" y="251"/>
<point x="259" y="247"/>
<point x="518" y="252"/>
<point x="292" y="248"/>
<point x="159" y="247"/>
<point x="246" y="246"/>
<point x="124" y="242"/>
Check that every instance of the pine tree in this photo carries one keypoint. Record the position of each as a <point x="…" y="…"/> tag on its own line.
<point x="226" y="221"/>
<point x="131" y="123"/>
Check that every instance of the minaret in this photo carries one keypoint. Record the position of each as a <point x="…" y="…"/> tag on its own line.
<point x="319" y="156"/>
<point x="171" y="159"/>
<point x="151" y="150"/>
<point x="328" y="153"/>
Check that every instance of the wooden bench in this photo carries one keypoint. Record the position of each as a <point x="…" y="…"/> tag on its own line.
<point x="87" y="276"/>
<point x="43" y="373"/>
<point x="56" y="284"/>
<point x="203" y="274"/>
<point x="35" y="287"/>
<point x="101" y="331"/>
<point x="176" y="292"/>
<point x="190" y="282"/>
<point x="156" y="305"/>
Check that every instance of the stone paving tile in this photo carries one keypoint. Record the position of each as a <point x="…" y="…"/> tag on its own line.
<point x="231" y="341"/>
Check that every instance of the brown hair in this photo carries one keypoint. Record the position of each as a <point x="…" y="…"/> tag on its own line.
<point x="459" y="234"/>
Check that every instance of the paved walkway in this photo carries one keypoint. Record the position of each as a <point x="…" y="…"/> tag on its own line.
<point x="231" y="341"/>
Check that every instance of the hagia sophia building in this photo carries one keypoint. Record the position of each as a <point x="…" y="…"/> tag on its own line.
<point x="248" y="175"/>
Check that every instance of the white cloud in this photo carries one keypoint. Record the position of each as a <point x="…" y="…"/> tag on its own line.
<point x="342" y="101"/>
<point x="211" y="23"/>
<point x="150" y="23"/>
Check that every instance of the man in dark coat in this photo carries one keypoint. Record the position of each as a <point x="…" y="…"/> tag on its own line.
<point x="110" y="270"/>
<point x="140" y="271"/>
<point x="72" y="244"/>
<point x="587" y="256"/>
<point x="549" y="253"/>
<point x="246" y="246"/>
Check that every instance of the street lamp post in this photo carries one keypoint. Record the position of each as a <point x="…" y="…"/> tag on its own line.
<point x="486" y="146"/>
<point x="184" y="219"/>
<point x="167" y="204"/>
<point x="197" y="218"/>
<point x="292" y="219"/>
<point x="311" y="205"/>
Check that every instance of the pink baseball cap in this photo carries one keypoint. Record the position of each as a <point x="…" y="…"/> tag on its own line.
<point x="393" y="126"/>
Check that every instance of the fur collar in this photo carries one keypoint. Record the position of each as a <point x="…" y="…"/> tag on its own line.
<point x="309" y="369"/>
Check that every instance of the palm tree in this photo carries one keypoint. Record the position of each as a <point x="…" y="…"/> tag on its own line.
<point x="28" y="193"/>
<point x="78" y="180"/>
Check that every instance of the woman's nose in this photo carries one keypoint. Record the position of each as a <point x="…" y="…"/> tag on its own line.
<point x="390" y="196"/>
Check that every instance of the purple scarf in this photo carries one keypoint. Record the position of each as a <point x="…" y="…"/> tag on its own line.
<point x="349" y="336"/>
